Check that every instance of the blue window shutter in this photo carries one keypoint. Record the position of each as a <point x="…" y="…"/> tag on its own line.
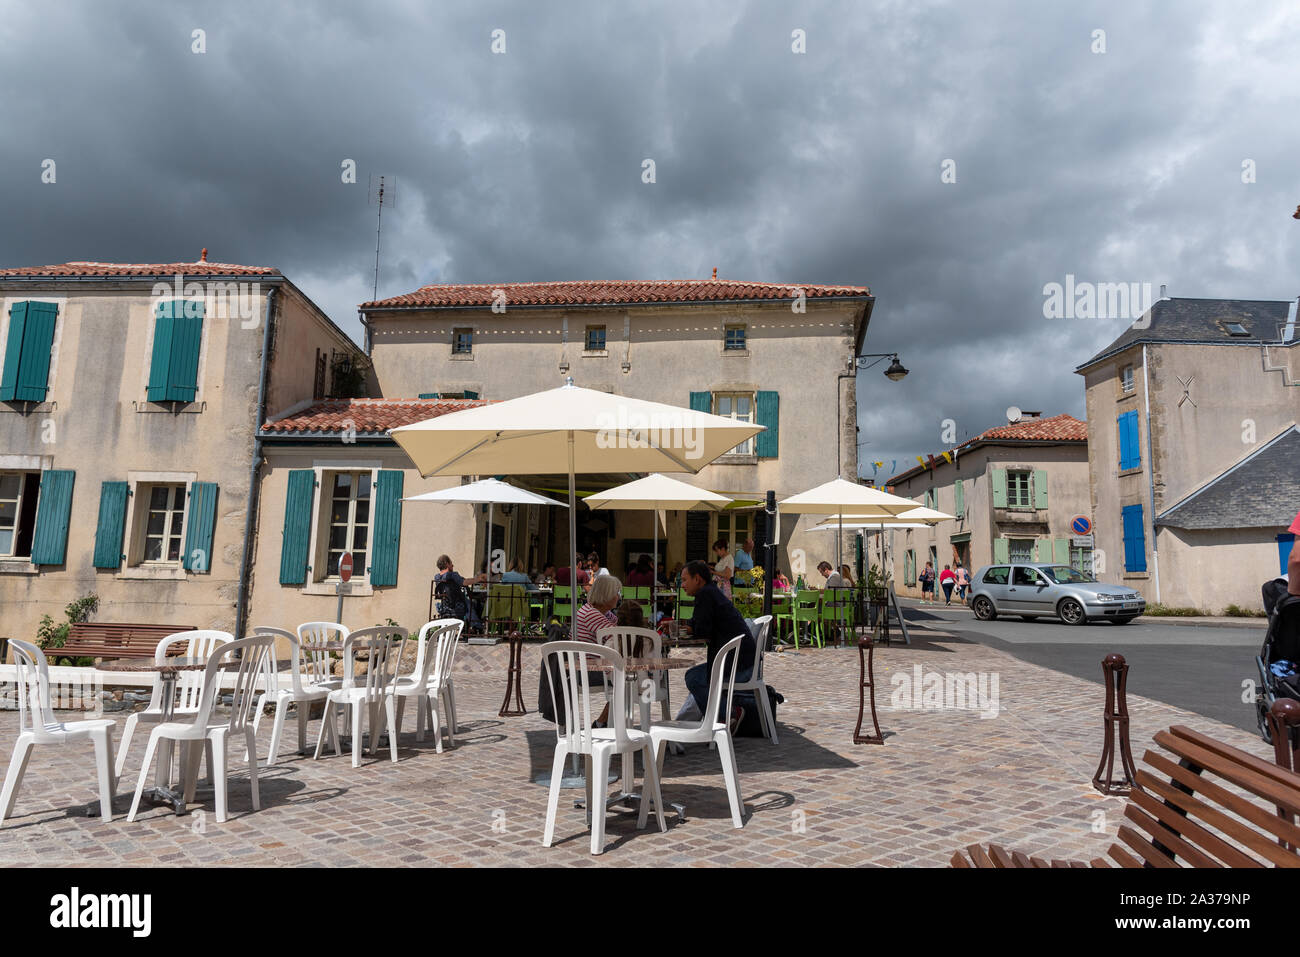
<point x="1135" y="554"/>
<point x="702" y="401"/>
<point x="112" y="522"/>
<point x="1130" y="453"/>
<point x="767" y="411"/>
<point x="296" y="538"/>
<point x="200" y="524"/>
<point x="53" y="512"/>
<point x="387" y="532"/>
<point x="1134" y="444"/>
<point x="26" y="373"/>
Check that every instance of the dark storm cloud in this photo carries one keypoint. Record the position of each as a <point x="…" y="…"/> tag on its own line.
<point x="822" y="167"/>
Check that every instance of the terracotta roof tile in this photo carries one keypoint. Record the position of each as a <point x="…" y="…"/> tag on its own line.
<point x="601" y="292"/>
<point x="366" y="416"/>
<point x="201" y="268"/>
<point x="1058" y="428"/>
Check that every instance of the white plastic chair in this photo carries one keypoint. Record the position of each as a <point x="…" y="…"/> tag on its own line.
<point x="710" y="729"/>
<point x="312" y="681"/>
<point x="246" y="658"/>
<point x="429" y="683"/>
<point x="756" y="684"/>
<point x="37" y="725"/>
<point x="189" y="685"/>
<point x="576" y="735"/>
<point x="647" y="643"/>
<point x="385" y="644"/>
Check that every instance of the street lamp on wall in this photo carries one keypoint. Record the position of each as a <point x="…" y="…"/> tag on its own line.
<point x="895" y="373"/>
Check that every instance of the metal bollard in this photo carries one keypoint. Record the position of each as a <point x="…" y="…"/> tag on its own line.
<point x="1115" y="670"/>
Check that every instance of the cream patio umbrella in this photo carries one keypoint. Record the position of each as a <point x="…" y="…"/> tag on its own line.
<point x="489" y="492"/>
<point x="566" y="431"/>
<point x="841" y="497"/>
<point x="657" y="492"/>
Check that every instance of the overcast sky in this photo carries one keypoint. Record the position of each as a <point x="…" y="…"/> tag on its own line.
<point x="824" y="166"/>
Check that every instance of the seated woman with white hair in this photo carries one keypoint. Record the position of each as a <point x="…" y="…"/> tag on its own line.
<point x="598" y="612"/>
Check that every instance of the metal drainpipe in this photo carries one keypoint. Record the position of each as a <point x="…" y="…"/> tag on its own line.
<point x="250" y="516"/>
<point x="1151" y="472"/>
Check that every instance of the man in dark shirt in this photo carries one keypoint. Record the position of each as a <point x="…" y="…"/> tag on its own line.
<point x="717" y="621"/>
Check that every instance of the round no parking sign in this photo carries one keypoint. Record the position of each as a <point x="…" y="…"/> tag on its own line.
<point x="1081" y="525"/>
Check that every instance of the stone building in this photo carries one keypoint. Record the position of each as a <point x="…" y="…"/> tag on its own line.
<point x="1192" y="418"/>
<point x="1013" y="489"/>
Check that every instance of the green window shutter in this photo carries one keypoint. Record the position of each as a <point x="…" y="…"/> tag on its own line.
<point x="112" y="522"/>
<point x="1061" y="551"/>
<point x="199" y="526"/>
<point x="1043" y="550"/>
<point x="1001" y="551"/>
<point x="999" y="481"/>
<point x="909" y="567"/>
<point x="1040" y="488"/>
<point x="26" y="373"/>
<point x="471" y="395"/>
<point x="767" y="411"/>
<point x="164" y="325"/>
<point x="13" y="351"/>
<point x="53" y="512"/>
<point x="296" y="538"/>
<point x="959" y="493"/>
<point x="387" y="532"/>
<point x="702" y="401"/>
<point x="177" y="337"/>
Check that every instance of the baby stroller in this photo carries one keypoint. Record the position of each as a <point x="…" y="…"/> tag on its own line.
<point x="1279" y="660"/>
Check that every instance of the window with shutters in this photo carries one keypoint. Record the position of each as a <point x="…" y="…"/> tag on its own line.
<point x="27" y="345"/>
<point x="1021" y="549"/>
<point x="18" y="494"/>
<point x="346" y="518"/>
<point x="176" y="350"/>
<point x="160" y="524"/>
<point x="1020" y="488"/>
<point x="738" y="406"/>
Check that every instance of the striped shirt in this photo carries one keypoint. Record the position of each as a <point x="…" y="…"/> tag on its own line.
<point x="591" y="619"/>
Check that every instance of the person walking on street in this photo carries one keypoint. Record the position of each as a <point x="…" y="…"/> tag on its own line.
<point x="927" y="584"/>
<point x="963" y="581"/>
<point x="947" y="580"/>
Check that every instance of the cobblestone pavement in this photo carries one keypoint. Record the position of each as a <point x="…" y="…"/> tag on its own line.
<point x="944" y="779"/>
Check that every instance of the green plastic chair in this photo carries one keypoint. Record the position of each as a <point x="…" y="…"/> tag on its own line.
<point x="509" y="606"/>
<point x="685" y="605"/>
<point x="782" y="611"/>
<point x="807" y="610"/>
<point x="837" y="608"/>
<point x="562" y="602"/>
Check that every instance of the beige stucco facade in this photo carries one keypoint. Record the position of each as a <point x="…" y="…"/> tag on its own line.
<point x="97" y="422"/>
<point x="1232" y="404"/>
<point x="972" y="537"/>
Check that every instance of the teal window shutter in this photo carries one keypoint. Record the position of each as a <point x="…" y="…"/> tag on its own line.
<point x="200" y="524"/>
<point x="767" y="409"/>
<point x="959" y="494"/>
<point x="53" y="512"/>
<point x="1001" y="551"/>
<point x="999" y="482"/>
<point x="1061" y="551"/>
<point x="177" y="337"/>
<point x="387" y="535"/>
<point x="1040" y="488"/>
<point x="296" y="538"/>
<point x="471" y="395"/>
<point x="702" y="401"/>
<point x="112" y="523"/>
<point x="26" y="372"/>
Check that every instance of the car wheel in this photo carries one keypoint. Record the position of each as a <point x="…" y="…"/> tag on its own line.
<point x="984" y="609"/>
<point x="1071" y="612"/>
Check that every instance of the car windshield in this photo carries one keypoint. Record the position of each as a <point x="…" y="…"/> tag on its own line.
<point x="1065" y="575"/>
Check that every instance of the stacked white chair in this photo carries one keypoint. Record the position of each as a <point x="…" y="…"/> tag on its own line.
<point x="710" y="729"/>
<point x="576" y="735"/>
<point x="429" y="684"/>
<point x="37" y="725"/>
<point x="189" y="685"/>
<point x="246" y="658"/>
<point x="385" y="644"/>
<point x="312" y="682"/>
<point x="756" y="682"/>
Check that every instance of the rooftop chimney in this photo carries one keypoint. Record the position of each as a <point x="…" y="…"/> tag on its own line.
<point x="203" y="257"/>
<point x="1163" y="295"/>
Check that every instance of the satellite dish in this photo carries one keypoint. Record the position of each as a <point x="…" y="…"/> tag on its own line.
<point x="1013" y="413"/>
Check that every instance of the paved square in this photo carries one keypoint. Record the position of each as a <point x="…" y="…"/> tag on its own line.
<point x="944" y="779"/>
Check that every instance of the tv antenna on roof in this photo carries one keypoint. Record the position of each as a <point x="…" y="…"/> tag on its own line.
<point x="385" y="194"/>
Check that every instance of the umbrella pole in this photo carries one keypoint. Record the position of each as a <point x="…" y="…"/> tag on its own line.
<point x="573" y="549"/>
<point x="654" y="569"/>
<point x="487" y="575"/>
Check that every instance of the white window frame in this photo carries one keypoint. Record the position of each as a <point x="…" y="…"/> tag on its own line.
<point x="18" y="512"/>
<point x="137" y="518"/>
<point x="733" y="542"/>
<point x="747" y="447"/>
<point x="1127" y="380"/>
<point x="323" y="525"/>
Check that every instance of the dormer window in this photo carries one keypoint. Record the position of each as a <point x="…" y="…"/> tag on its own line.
<point x="1235" y="329"/>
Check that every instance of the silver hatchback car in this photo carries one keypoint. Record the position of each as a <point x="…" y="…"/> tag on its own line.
<point x="1036" y="589"/>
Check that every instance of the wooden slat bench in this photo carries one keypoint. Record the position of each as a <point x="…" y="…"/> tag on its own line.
<point x="1182" y="815"/>
<point x="116" y="640"/>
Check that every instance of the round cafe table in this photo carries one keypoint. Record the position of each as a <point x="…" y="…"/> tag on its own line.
<point x="168" y="672"/>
